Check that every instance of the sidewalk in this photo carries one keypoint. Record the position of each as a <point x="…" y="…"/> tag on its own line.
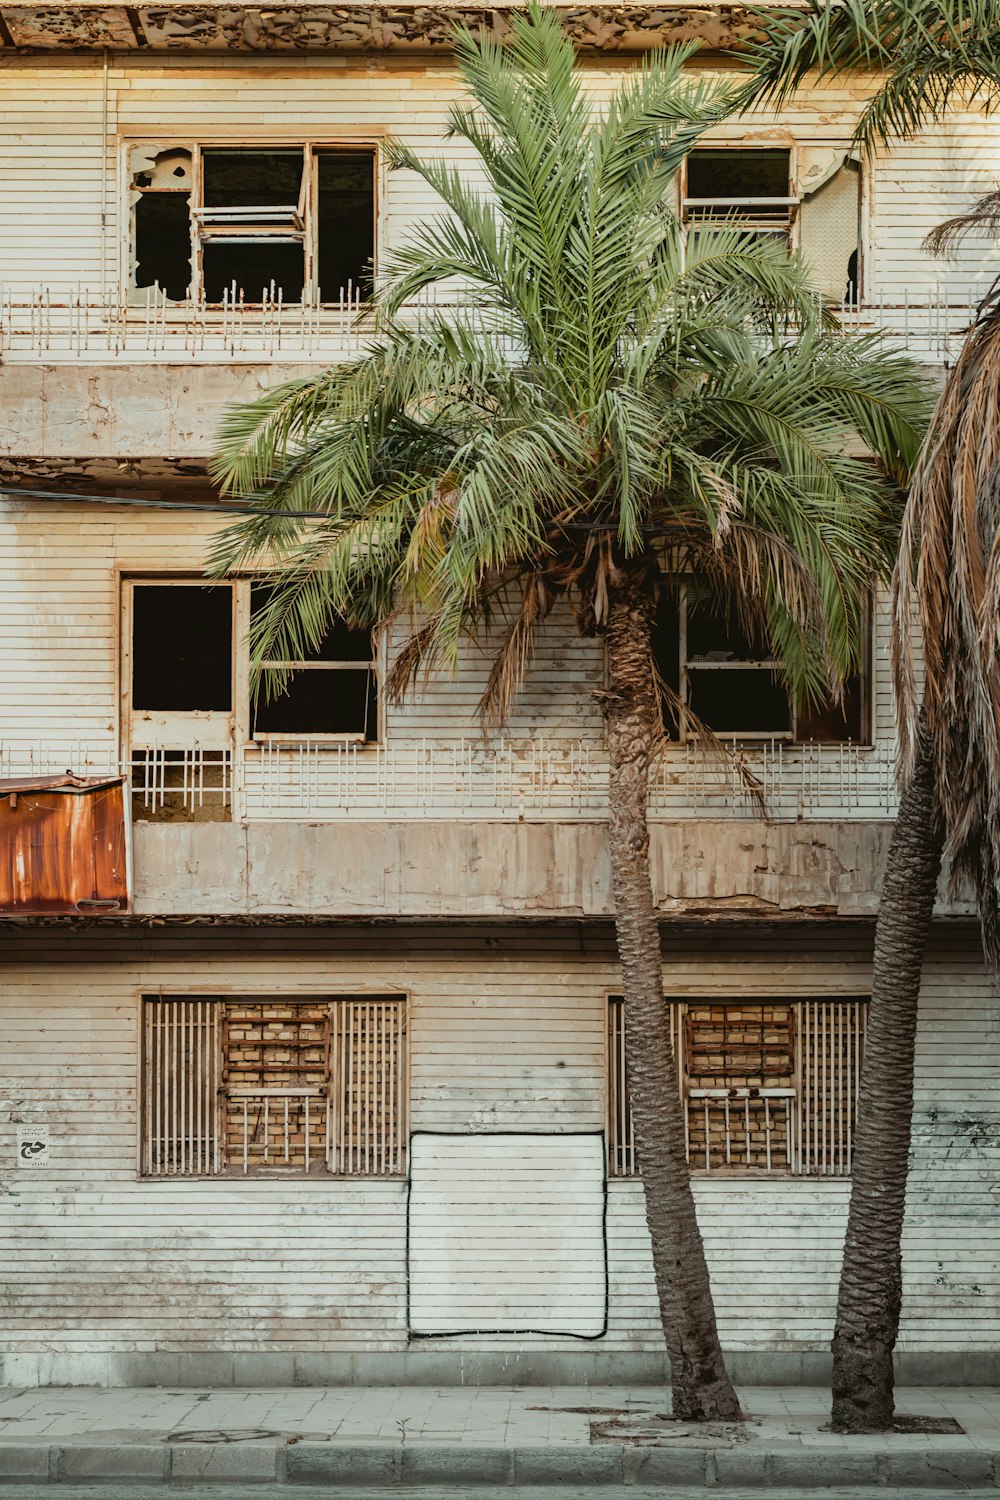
<point x="492" y="1436"/>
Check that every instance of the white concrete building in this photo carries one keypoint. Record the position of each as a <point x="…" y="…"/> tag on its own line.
<point x="316" y="1075"/>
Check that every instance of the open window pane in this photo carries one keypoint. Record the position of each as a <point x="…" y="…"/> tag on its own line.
<point x="345" y="227"/>
<point x="717" y="637"/>
<point x="163" y="243"/>
<point x="835" y="722"/>
<point x="725" y="172"/>
<point x="259" y="179"/>
<point x="182" y="646"/>
<point x="249" y="271"/>
<point x="322" y="702"/>
<point x="338" y="697"/>
<point x="740" y="187"/>
<point x="742" y="701"/>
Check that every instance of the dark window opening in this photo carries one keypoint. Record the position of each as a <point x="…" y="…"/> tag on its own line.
<point x="332" y="691"/>
<point x="345" y="229"/>
<point x="723" y="672"/>
<point x="252" y="271"/>
<point x="162" y="209"/>
<point x="741" y="185"/>
<point x="182" y="647"/>
<point x="739" y="702"/>
<point x="163" y="243"/>
<point x="252" y="179"/>
<point x="724" y="173"/>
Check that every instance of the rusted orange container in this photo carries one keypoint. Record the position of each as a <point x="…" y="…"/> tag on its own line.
<point x="63" y="845"/>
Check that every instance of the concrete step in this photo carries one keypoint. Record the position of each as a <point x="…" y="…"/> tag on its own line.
<point x="286" y="1460"/>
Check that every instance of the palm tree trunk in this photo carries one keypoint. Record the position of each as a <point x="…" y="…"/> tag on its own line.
<point x="870" y="1295"/>
<point x="700" y="1385"/>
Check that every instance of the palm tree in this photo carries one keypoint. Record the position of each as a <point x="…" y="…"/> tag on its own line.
<point x="929" y="54"/>
<point x="594" y="409"/>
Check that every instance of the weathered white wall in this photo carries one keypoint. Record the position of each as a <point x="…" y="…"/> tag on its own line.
<point x="65" y="125"/>
<point x="60" y="611"/>
<point x="507" y="1033"/>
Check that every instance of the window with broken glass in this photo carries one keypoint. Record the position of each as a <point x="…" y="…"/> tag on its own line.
<point x="725" y="673"/>
<point x="807" y="197"/>
<point x="219" y="224"/>
<point x="273" y="1085"/>
<point x="189" y="695"/>
<point x="768" y="1085"/>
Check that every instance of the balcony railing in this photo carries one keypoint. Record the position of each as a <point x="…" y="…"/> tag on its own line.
<point x="506" y="779"/>
<point x="74" y="323"/>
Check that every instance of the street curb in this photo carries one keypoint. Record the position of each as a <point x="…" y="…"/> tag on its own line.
<point x="413" y="1466"/>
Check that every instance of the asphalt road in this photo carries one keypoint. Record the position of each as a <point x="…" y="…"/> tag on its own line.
<point x="550" y="1492"/>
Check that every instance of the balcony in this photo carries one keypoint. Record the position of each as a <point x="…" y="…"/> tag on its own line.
<point x="53" y="325"/>
<point x="515" y="829"/>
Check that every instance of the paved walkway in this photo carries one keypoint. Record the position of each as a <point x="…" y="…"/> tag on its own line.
<point x="483" y="1435"/>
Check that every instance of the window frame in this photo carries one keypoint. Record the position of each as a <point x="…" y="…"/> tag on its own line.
<point x="798" y="197"/>
<point x="216" y="729"/>
<point x="789" y="736"/>
<point x="615" y="1096"/>
<point x="730" y="219"/>
<point x="250" y="994"/>
<point x="368" y="144"/>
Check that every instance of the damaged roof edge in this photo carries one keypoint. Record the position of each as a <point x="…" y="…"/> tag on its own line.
<point x="303" y="25"/>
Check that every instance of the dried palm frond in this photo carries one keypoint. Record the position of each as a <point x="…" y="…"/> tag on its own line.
<point x="982" y="218"/>
<point x="948" y="577"/>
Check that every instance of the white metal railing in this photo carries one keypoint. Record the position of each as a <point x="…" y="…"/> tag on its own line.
<point x="367" y="1132"/>
<point x="540" y="777"/>
<point x="76" y="322"/>
<point x="275" y="1127"/>
<point x="804" y="1127"/>
<point x="181" y="1125"/>
<point x="191" y="780"/>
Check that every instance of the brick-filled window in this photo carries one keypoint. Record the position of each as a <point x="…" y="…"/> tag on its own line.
<point x="769" y="1085"/>
<point x="273" y="1086"/>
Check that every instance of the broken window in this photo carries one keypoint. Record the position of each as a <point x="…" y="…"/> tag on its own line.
<point x="726" y="186"/>
<point x="274" y="1085"/>
<point x="830" y="221"/>
<point x="768" y="1086"/>
<point x="819" y="214"/>
<point x="161" y="183"/>
<point x="333" y="691"/>
<point x="728" y="677"/>
<point x="249" y="224"/>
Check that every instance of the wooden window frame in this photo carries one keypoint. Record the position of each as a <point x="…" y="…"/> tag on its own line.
<point x="790" y="736"/>
<point x="302" y="227"/>
<point x="218" y="731"/>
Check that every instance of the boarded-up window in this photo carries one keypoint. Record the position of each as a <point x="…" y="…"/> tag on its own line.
<point x="274" y="1085"/>
<point x="769" y="1086"/>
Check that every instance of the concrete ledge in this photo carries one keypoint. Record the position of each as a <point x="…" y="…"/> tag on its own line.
<point x="940" y="1469"/>
<point x="569" y="1465"/>
<point x="342" y="1463"/>
<point x="470" y="1367"/>
<point x="563" y="1468"/>
<point x="19" y="1462"/>
<point x="145" y="1461"/>
<point x="246" y="1463"/>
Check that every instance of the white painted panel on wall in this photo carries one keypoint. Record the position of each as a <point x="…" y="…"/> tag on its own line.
<point x="506" y="1234"/>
